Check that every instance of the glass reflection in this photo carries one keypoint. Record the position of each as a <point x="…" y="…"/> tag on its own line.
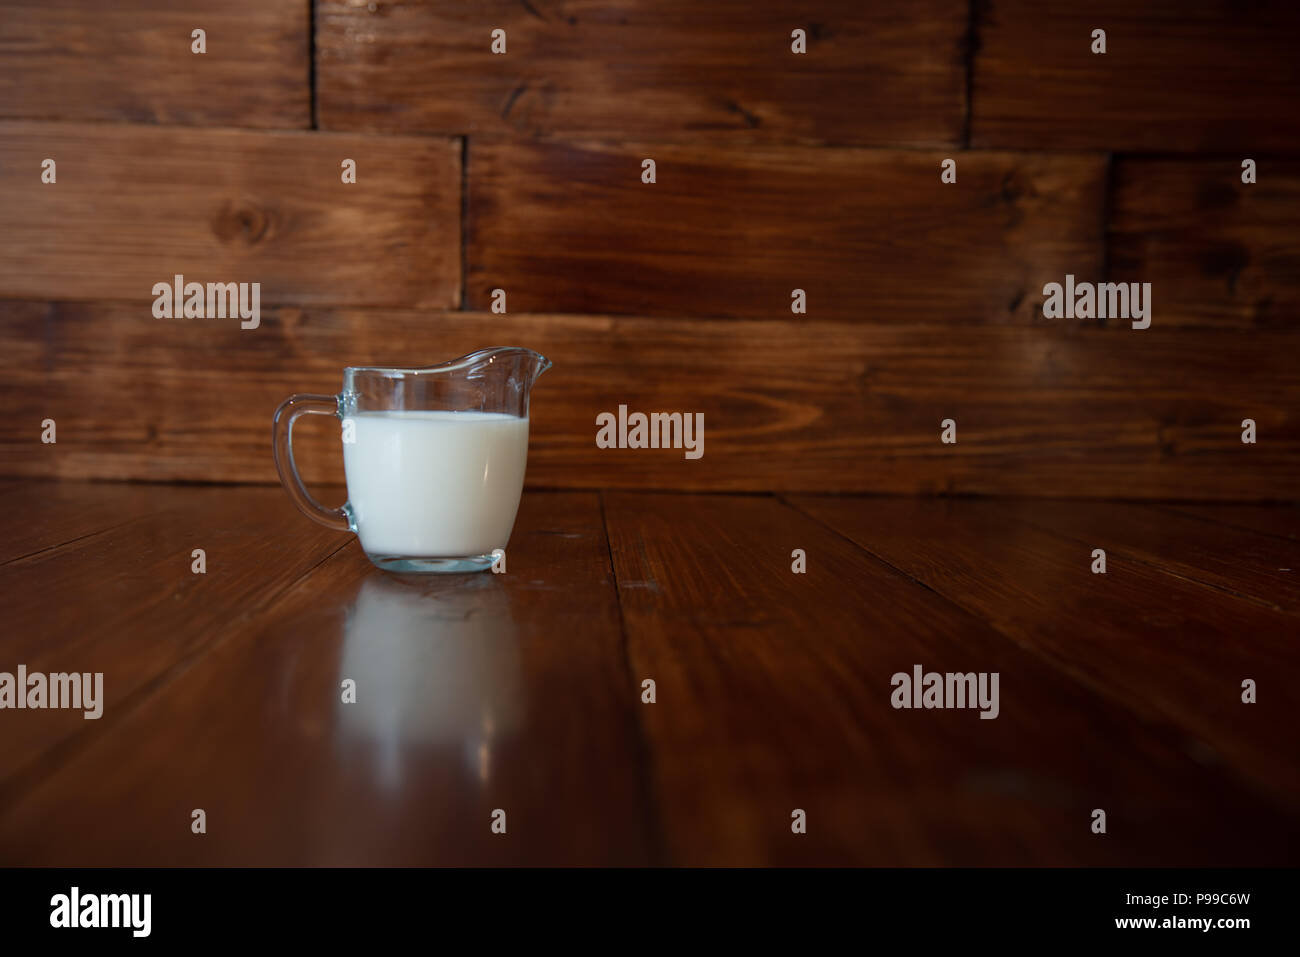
<point x="436" y="665"/>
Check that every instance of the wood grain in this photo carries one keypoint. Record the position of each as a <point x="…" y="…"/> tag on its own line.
<point x="1242" y="563"/>
<point x="472" y="693"/>
<point x="1216" y="251"/>
<point x="787" y="405"/>
<point x="773" y="693"/>
<point x="1277" y="520"/>
<point x="55" y="514"/>
<point x="135" y="205"/>
<point x="121" y="598"/>
<point x="1171" y="650"/>
<point x="870" y="236"/>
<point x="891" y="73"/>
<point x="1206" y="76"/>
<point x="131" y="61"/>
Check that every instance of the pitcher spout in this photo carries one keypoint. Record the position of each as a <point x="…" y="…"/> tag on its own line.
<point x="488" y="380"/>
<point x="513" y="367"/>
<point x="527" y="364"/>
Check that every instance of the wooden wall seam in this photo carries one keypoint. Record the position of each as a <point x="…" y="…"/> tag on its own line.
<point x="312" y="64"/>
<point x="969" y="49"/>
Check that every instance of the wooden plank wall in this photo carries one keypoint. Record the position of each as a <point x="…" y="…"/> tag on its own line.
<point x="774" y="171"/>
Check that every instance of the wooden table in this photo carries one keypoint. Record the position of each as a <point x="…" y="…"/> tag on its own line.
<point x="524" y="691"/>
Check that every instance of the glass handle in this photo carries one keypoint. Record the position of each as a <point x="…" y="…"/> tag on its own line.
<point x="282" y="442"/>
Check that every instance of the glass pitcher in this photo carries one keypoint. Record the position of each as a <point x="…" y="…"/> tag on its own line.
<point x="434" y="458"/>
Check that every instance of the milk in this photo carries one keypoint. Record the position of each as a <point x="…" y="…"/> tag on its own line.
<point x="435" y="484"/>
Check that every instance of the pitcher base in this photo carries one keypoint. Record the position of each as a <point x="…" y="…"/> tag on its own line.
<point x="411" y="564"/>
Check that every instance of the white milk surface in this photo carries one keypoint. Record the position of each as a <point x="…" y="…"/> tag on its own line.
<point x="435" y="484"/>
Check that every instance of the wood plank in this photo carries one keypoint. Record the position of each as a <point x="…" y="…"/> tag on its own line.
<point x="131" y="61"/>
<point x="126" y="602"/>
<point x="773" y="693"/>
<point x="787" y="405"/>
<point x="1172" y="651"/>
<point x="473" y="693"/>
<point x="870" y="236"/>
<point x="136" y="205"/>
<point x="669" y="69"/>
<point x="56" y="513"/>
<point x="1202" y="76"/>
<point x="1241" y="563"/>
<point x="1280" y="520"/>
<point x="1216" y="251"/>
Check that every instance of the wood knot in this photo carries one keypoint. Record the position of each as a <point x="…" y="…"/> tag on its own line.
<point x="1013" y="188"/>
<point x="240" y="221"/>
